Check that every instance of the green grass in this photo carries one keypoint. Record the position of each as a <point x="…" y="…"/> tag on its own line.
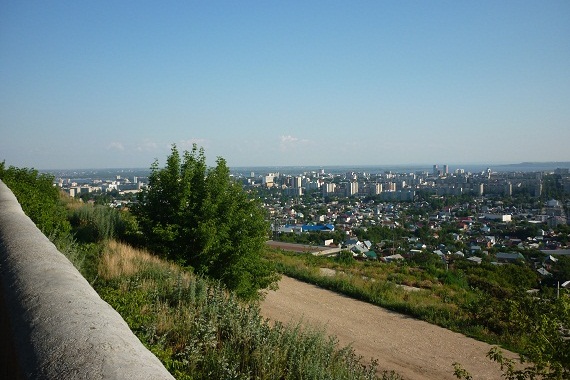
<point x="200" y="331"/>
<point x="446" y="298"/>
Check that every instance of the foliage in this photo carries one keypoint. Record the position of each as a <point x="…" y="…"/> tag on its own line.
<point x="380" y="284"/>
<point x="46" y="206"/>
<point x="466" y="297"/>
<point x="561" y="269"/>
<point x="39" y="199"/>
<point x="546" y="352"/>
<point x="427" y="259"/>
<point x="93" y="223"/>
<point x="312" y="237"/>
<point x="196" y="328"/>
<point x="345" y="257"/>
<point x="198" y="216"/>
<point x="199" y="331"/>
<point x="499" y="280"/>
<point x="378" y="233"/>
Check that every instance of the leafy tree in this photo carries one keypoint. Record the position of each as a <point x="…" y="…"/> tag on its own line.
<point x="200" y="217"/>
<point x="378" y="233"/>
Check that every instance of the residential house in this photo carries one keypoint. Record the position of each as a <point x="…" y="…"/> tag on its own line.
<point x="475" y="259"/>
<point x="509" y="257"/>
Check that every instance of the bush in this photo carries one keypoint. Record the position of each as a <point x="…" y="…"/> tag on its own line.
<point x="39" y="199"/>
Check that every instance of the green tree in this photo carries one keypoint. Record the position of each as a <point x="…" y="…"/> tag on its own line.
<point x="200" y="217"/>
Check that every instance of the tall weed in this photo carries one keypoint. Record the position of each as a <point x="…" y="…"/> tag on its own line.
<point x="93" y="223"/>
<point x="200" y="331"/>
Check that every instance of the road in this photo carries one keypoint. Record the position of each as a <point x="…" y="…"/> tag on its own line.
<point x="415" y="349"/>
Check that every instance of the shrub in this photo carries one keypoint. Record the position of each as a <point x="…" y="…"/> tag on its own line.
<point x="200" y="331"/>
<point x="39" y="199"/>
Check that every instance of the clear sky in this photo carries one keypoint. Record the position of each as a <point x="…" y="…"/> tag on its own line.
<point x="105" y="84"/>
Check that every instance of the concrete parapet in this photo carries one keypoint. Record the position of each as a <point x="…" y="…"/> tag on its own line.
<point x="53" y="325"/>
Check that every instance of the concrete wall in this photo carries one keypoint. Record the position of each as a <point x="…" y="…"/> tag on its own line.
<point x="53" y="325"/>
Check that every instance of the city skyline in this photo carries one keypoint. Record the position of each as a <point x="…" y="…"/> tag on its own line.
<point x="110" y="85"/>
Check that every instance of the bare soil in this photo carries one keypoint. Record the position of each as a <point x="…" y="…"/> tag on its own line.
<point x="415" y="349"/>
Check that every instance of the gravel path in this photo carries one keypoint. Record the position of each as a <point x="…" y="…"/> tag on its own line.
<point x="413" y="348"/>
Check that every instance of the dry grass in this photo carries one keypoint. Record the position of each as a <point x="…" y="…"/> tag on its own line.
<point x="166" y="319"/>
<point x="199" y="330"/>
<point x="121" y="260"/>
<point x="70" y="203"/>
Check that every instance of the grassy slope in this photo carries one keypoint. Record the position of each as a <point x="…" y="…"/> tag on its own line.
<point x="445" y="298"/>
<point x="200" y="331"/>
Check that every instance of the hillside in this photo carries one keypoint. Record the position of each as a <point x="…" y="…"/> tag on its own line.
<point x="413" y="348"/>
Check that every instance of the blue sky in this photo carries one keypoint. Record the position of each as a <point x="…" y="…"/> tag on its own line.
<point x="97" y="84"/>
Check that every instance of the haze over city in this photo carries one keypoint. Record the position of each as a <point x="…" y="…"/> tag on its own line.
<point x="113" y="84"/>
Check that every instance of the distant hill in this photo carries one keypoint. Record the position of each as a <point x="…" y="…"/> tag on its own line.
<point x="533" y="166"/>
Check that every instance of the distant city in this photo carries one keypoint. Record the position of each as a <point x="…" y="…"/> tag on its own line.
<point x="386" y="183"/>
<point x="348" y="199"/>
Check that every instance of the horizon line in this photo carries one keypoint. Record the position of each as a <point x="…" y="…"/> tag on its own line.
<point x="411" y="165"/>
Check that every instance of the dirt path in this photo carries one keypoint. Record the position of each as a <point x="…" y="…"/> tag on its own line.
<point x="413" y="348"/>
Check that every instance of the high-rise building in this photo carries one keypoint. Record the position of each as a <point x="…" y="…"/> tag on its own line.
<point x="377" y="188"/>
<point x="352" y="188"/>
<point x="268" y="180"/>
<point x="296" y="182"/>
<point x="328" y="188"/>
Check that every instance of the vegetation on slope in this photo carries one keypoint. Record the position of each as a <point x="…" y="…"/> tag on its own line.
<point x="38" y="197"/>
<point x="195" y="326"/>
<point x="485" y="301"/>
<point x="465" y="298"/>
<point x="199" y="330"/>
